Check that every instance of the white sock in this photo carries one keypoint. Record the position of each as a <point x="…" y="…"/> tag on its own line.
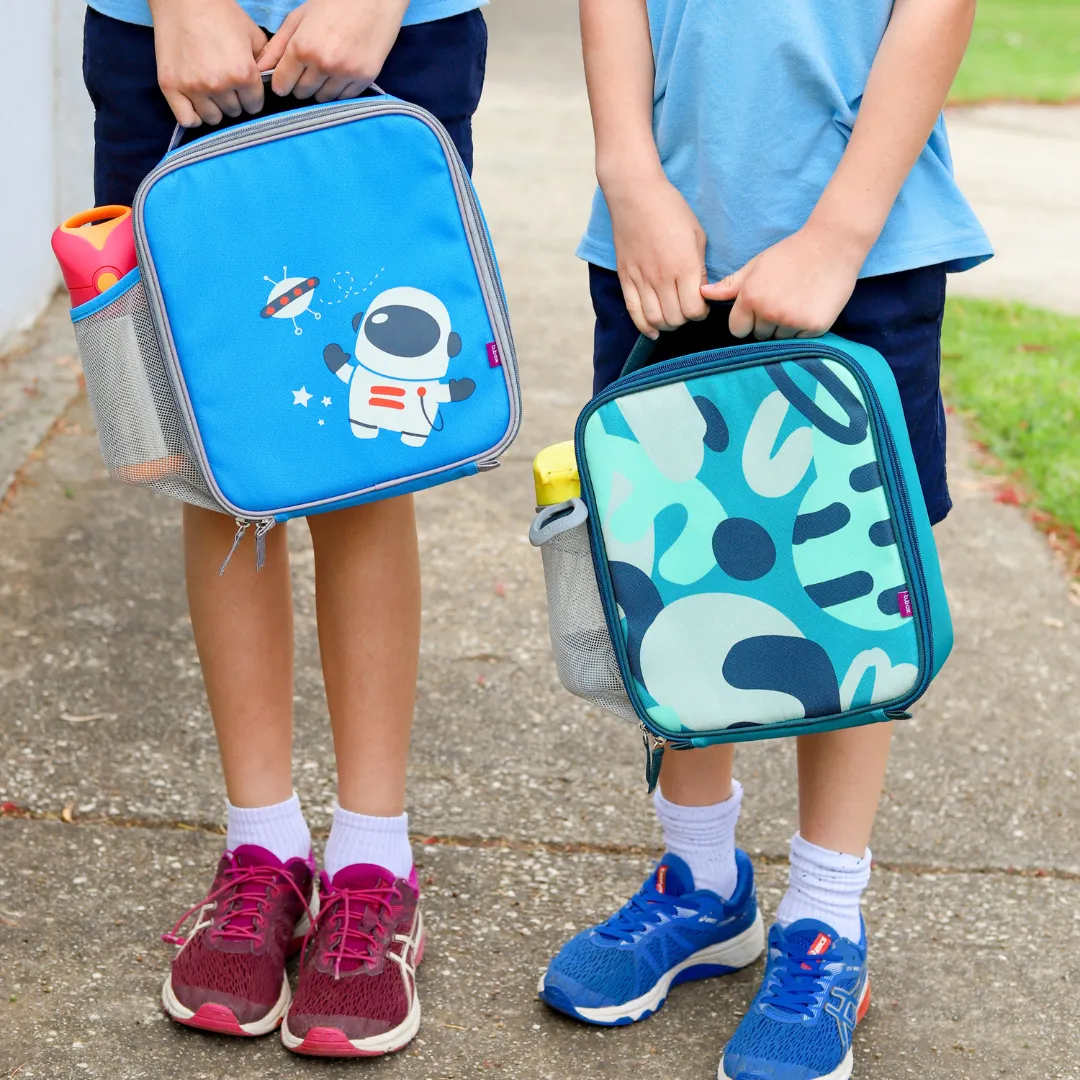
<point x="280" y="828"/>
<point x="359" y="838"/>
<point x="704" y="838"/>
<point x="825" y="885"/>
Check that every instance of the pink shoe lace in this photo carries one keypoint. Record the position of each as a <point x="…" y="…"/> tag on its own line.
<point x="249" y="888"/>
<point x="350" y="942"/>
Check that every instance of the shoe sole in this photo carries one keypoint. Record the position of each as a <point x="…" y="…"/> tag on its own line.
<point x="332" y="1042"/>
<point x="843" y="1070"/>
<point x="721" y="959"/>
<point x="220" y="1019"/>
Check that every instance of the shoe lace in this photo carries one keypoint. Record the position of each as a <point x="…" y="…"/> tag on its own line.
<point x="642" y="911"/>
<point x="349" y="940"/>
<point x="239" y="904"/>
<point x="796" y="980"/>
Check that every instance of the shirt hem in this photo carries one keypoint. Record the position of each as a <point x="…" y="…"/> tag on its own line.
<point x="959" y="254"/>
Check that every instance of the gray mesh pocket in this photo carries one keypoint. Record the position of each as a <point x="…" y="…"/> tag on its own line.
<point x="584" y="654"/>
<point x="142" y="436"/>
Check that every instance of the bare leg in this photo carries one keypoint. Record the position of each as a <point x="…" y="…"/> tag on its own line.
<point x="367" y="588"/>
<point x="243" y="628"/>
<point x="697" y="777"/>
<point x="841" y="774"/>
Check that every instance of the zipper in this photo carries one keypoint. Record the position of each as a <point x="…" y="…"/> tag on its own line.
<point x="257" y="132"/>
<point x="262" y="527"/>
<point x="737" y="358"/>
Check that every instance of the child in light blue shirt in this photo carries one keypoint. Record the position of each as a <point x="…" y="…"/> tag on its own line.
<point x="788" y="157"/>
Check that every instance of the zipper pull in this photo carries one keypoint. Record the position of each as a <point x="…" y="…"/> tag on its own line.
<point x="242" y="527"/>
<point x="654" y="756"/>
<point x="261" y="530"/>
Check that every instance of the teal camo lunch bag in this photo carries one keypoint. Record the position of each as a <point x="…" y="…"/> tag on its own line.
<point x="749" y="554"/>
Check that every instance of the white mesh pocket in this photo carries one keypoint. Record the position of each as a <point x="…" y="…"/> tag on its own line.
<point x="584" y="654"/>
<point x="140" y="430"/>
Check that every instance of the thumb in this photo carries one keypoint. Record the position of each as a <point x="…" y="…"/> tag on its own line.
<point x="274" y="49"/>
<point x="729" y="287"/>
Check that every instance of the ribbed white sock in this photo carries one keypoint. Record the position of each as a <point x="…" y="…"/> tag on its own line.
<point x="825" y="885"/>
<point x="279" y="828"/>
<point x="359" y="838"/>
<point x="704" y="838"/>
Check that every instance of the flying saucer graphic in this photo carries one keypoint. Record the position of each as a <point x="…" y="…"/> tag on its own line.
<point x="290" y="298"/>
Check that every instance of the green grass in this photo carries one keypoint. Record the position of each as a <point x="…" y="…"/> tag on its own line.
<point x="1016" y="371"/>
<point x="1022" y="49"/>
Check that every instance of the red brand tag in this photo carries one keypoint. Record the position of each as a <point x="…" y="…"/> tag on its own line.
<point x="494" y="356"/>
<point x="661" y="879"/>
<point x="821" y="945"/>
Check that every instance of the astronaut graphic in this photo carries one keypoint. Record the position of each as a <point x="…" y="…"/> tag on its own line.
<point x="404" y="345"/>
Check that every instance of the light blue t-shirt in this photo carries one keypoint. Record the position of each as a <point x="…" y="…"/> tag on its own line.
<point x="754" y="102"/>
<point x="270" y="14"/>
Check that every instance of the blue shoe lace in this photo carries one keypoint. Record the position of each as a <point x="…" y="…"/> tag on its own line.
<point x="639" y="912"/>
<point x="796" y="981"/>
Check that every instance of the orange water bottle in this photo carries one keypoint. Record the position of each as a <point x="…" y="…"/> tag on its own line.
<point x="95" y="250"/>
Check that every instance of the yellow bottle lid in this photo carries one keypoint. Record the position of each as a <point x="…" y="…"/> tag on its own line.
<point x="555" y="474"/>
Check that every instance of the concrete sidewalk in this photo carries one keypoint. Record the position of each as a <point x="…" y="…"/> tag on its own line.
<point x="528" y="807"/>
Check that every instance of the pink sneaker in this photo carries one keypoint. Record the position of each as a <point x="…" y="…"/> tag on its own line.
<point x="229" y="975"/>
<point x="356" y="996"/>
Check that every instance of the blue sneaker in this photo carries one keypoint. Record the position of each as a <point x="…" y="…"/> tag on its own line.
<point x="799" y="1026"/>
<point x="669" y="933"/>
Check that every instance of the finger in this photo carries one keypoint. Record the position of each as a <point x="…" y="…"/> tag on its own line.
<point x="728" y="288"/>
<point x="650" y="307"/>
<point x="332" y="89"/>
<point x="632" y="299"/>
<point x="286" y="73"/>
<point x="668" y="297"/>
<point x="692" y="303"/>
<point x="228" y="101"/>
<point x="783" y="333"/>
<point x="182" y="109"/>
<point x="207" y="108"/>
<point x="741" y="319"/>
<point x="310" y="82"/>
<point x="354" y="89"/>
<point x="763" y="329"/>
<point x="252" y="95"/>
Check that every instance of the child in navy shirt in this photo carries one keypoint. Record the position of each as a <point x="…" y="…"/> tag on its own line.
<point x="790" y="158"/>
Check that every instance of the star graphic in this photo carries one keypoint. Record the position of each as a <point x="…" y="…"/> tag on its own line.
<point x="326" y="402"/>
<point x="301" y="396"/>
<point x="322" y="423"/>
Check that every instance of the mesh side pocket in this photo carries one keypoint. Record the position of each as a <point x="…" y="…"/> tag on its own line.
<point x="580" y="640"/>
<point x="139" y="425"/>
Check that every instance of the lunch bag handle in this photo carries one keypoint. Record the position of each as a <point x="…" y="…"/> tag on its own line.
<point x="276" y="105"/>
<point x="691" y="337"/>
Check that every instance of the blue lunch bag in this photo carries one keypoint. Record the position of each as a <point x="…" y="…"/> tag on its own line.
<point x="316" y="319"/>
<point x="750" y="555"/>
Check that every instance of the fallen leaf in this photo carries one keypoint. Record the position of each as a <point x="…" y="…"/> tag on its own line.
<point x="1009" y="496"/>
<point x="65" y="814"/>
<point x="500" y="589"/>
<point x="1028" y="347"/>
<point x="82" y="719"/>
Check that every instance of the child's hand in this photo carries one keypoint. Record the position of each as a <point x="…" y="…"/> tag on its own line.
<point x="206" y="53"/>
<point x="796" y="288"/>
<point x="332" y="49"/>
<point x="660" y="250"/>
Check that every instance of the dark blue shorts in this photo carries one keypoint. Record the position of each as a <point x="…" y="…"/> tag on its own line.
<point x="897" y="314"/>
<point x="437" y="65"/>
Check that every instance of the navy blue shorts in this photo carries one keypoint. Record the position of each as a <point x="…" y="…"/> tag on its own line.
<point x="437" y="65"/>
<point x="897" y="314"/>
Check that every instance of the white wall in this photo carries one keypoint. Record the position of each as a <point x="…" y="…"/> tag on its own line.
<point x="47" y="147"/>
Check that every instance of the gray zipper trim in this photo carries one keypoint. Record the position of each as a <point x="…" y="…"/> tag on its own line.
<point x="282" y="126"/>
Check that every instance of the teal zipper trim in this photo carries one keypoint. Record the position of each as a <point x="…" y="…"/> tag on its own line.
<point x="895" y="488"/>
